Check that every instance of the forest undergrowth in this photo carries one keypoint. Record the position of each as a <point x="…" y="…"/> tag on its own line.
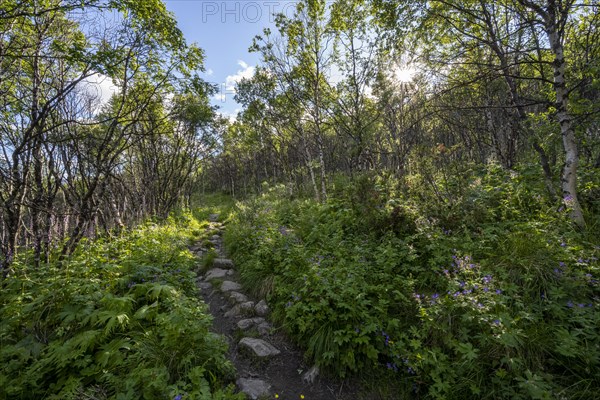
<point x="475" y="288"/>
<point x="119" y="319"/>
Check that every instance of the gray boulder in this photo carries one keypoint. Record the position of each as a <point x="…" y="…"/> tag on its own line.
<point x="237" y="297"/>
<point x="262" y="308"/>
<point x="247" y="307"/>
<point x="216" y="273"/>
<point x="229" y="286"/>
<point x="258" y="347"/>
<point x="204" y="285"/>
<point x="234" y="312"/>
<point x="248" y="323"/>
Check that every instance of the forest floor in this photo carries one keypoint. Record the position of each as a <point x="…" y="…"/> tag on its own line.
<point x="268" y="365"/>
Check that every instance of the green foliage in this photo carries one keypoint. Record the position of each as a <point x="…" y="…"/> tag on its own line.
<point x="477" y="288"/>
<point x="120" y="319"/>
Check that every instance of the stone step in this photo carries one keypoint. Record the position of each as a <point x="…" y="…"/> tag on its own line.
<point x="248" y="323"/>
<point x="217" y="273"/>
<point x="204" y="285"/>
<point x="223" y="263"/>
<point x="213" y="217"/>
<point x="234" y="312"/>
<point x="237" y="297"/>
<point x="258" y="347"/>
<point x="229" y="286"/>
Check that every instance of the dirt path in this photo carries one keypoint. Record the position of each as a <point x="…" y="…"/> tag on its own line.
<point x="268" y="365"/>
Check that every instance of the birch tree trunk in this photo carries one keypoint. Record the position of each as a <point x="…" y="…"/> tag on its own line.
<point x="569" y="173"/>
<point x="555" y="15"/>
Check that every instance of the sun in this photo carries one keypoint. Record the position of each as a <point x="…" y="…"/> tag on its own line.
<point x="404" y="74"/>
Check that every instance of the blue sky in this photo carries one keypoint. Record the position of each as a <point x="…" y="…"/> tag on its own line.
<point x="224" y="29"/>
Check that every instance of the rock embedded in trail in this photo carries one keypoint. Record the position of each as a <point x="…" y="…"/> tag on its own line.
<point x="204" y="285"/>
<point x="237" y="297"/>
<point x="213" y="217"/>
<point x="262" y="309"/>
<point x="264" y="328"/>
<point x="259" y="347"/>
<point x="234" y="312"/>
<point x="248" y="323"/>
<point x="229" y="286"/>
<point x="254" y="388"/>
<point x="195" y="248"/>
<point x="216" y="273"/>
<point x="224" y="263"/>
<point x="247" y="306"/>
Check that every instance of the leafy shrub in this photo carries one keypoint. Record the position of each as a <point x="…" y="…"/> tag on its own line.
<point x="120" y="319"/>
<point x="490" y="295"/>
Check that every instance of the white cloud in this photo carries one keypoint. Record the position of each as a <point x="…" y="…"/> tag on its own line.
<point x="209" y="72"/>
<point x="100" y="87"/>
<point x="231" y="116"/>
<point x="220" y="97"/>
<point x="246" y="72"/>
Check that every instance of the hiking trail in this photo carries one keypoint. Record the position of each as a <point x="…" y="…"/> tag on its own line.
<point x="268" y="365"/>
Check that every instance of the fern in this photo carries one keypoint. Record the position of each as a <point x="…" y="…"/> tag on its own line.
<point x="120" y="320"/>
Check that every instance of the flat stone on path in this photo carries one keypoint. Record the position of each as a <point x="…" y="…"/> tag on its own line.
<point x="216" y="273"/>
<point x="246" y="324"/>
<point x="213" y="217"/>
<point x="229" y="286"/>
<point x="237" y="297"/>
<point x="195" y="248"/>
<point x="234" y="312"/>
<point x="259" y="347"/>
<point x="224" y="263"/>
<point x="254" y="388"/>
<point x="204" y="285"/>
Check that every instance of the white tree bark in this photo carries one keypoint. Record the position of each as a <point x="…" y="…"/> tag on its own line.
<point x="569" y="173"/>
